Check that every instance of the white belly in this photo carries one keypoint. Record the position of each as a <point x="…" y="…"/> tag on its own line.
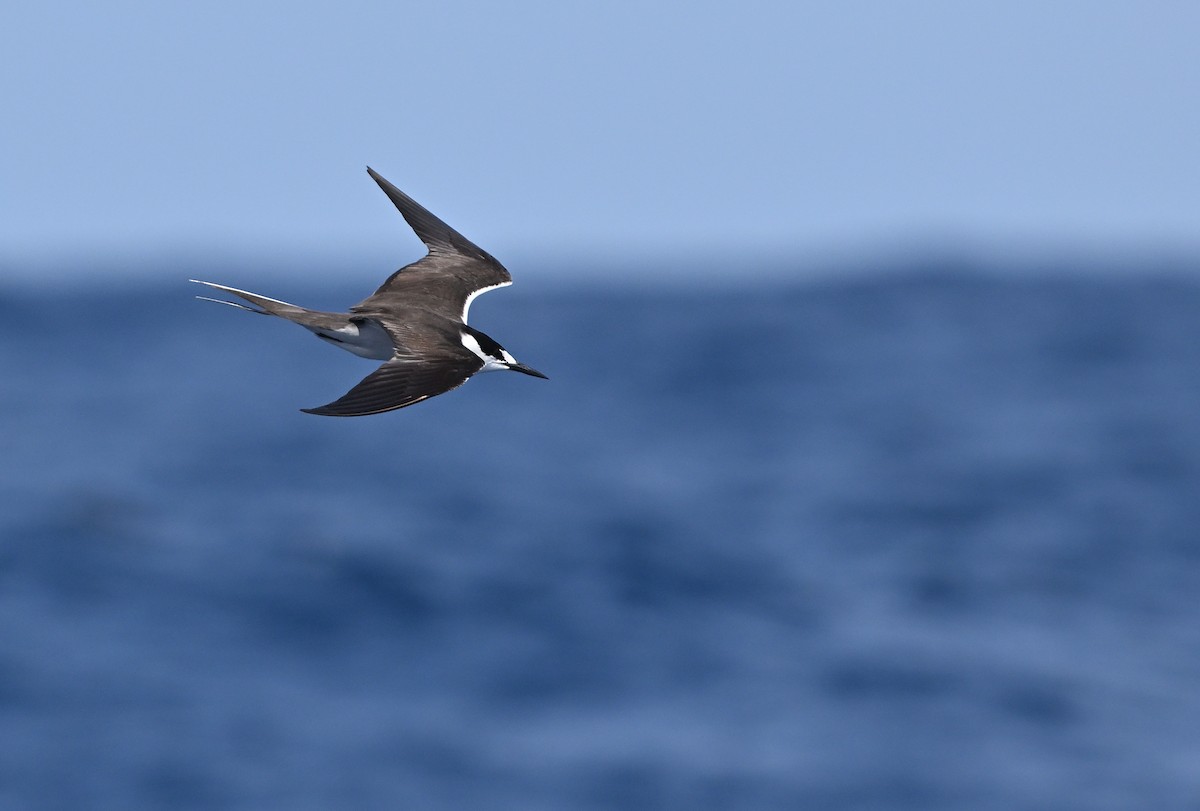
<point x="367" y="340"/>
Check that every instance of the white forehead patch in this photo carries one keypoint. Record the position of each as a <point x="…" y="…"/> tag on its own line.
<point x="490" y="364"/>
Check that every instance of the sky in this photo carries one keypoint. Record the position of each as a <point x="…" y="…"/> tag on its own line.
<point x="595" y="131"/>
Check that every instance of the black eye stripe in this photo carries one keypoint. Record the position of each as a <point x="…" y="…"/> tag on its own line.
<point x="485" y="342"/>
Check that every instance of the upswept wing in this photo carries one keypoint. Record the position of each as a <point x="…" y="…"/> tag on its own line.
<point x="399" y="383"/>
<point x="444" y="281"/>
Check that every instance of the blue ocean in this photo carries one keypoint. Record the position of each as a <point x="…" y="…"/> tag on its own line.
<point x="927" y="538"/>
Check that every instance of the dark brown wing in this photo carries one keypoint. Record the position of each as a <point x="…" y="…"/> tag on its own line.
<point x="447" y="278"/>
<point x="399" y="383"/>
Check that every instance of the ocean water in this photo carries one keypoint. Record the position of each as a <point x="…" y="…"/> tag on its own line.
<point x="926" y="540"/>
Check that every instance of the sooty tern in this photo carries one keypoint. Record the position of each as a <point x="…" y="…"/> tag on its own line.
<point x="416" y="321"/>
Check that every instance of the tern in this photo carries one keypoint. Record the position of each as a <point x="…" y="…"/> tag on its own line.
<point x="416" y="322"/>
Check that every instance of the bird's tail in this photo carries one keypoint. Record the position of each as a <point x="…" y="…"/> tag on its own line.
<point x="311" y="319"/>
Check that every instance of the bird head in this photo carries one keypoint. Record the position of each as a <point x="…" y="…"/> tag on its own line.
<point x="494" y="356"/>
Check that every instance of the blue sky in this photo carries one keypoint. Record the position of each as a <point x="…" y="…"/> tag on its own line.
<point x="547" y="128"/>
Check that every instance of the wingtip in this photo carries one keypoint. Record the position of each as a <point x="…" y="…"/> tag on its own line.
<point x="324" y="411"/>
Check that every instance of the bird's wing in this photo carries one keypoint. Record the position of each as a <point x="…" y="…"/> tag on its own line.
<point x="398" y="383"/>
<point x="444" y="281"/>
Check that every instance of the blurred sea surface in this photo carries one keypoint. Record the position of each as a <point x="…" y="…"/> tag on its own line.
<point x="924" y="540"/>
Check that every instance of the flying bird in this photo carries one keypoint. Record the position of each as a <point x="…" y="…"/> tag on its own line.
<point x="416" y="322"/>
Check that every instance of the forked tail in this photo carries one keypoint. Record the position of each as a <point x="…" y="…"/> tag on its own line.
<point x="311" y="319"/>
